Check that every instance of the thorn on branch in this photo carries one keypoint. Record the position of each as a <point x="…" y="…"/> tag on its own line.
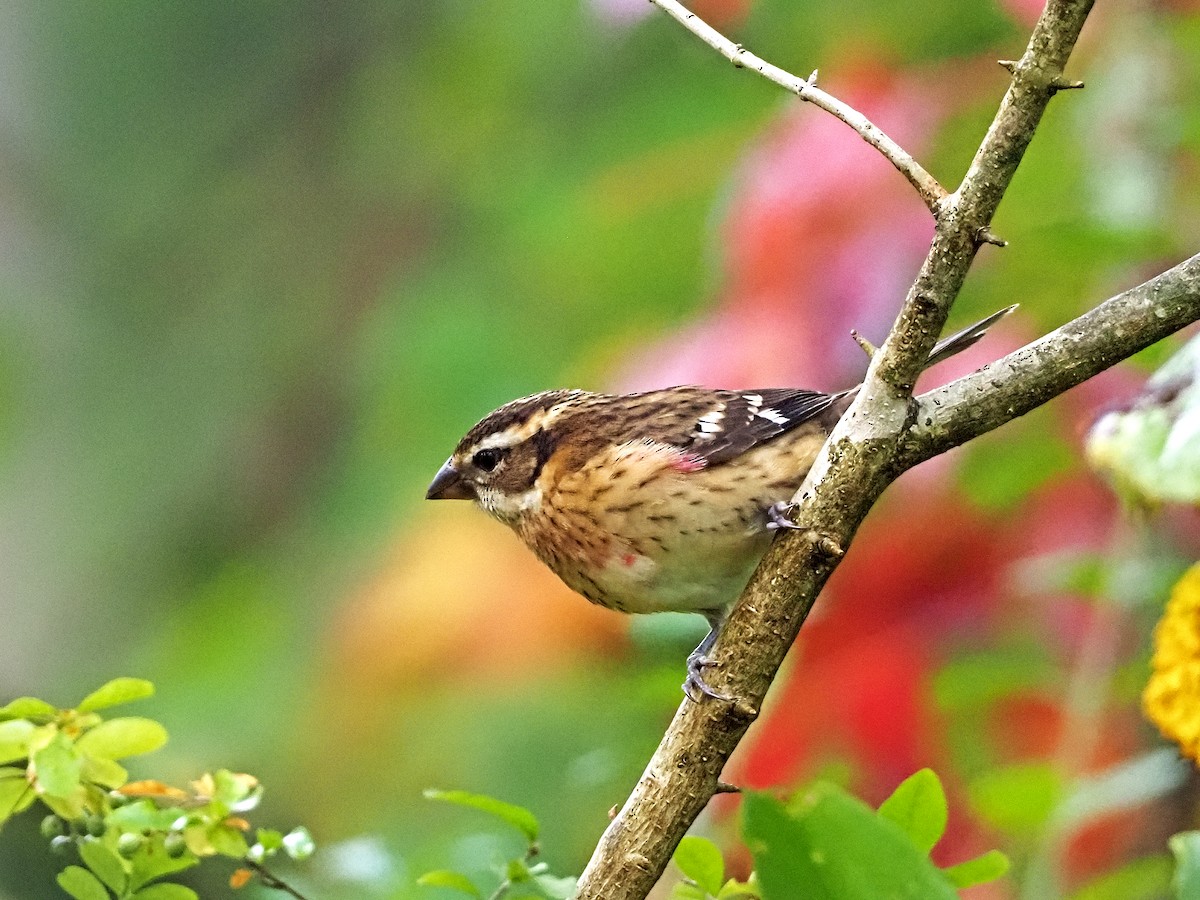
<point x="824" y="545"/>
<point x="812" y="79"/>
<point x="867" y="347"/>
<point x="726" y="788"/>
<point x="1009" y="64"/>
<point x="1064" y="84"/>
<point x="985" y="235"/>
<point x="745" y="711"/>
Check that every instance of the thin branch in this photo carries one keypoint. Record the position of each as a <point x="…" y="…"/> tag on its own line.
<point x="269" y="879"/>
<point x="931" y="192"/>
<point x="861" y="457"/>
<point x="1027" y="378"/>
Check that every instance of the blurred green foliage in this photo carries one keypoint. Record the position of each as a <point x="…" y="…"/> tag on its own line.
<point x="129" y="836"/>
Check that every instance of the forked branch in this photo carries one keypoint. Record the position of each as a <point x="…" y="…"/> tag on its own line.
<point x="877" y="439"/>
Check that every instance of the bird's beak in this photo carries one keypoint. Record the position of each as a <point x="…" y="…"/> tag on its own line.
<point x="449" y="484"/>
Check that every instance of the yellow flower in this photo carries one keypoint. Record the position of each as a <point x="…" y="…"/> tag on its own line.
<point x="1172" y="696"/>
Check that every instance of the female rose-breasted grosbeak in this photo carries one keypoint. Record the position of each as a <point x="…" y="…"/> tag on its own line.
<point x="656" y="501"/>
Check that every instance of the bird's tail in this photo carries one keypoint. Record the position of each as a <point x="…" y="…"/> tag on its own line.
<point x="961" y="340"/>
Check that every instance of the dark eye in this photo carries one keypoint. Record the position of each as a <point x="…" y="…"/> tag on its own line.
<point x="486" y="460"/>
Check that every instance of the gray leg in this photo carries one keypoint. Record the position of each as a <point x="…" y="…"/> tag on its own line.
<point x="694" y="685"/>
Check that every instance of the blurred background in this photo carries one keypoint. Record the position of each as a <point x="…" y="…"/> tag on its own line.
<point x="261" y="265"/>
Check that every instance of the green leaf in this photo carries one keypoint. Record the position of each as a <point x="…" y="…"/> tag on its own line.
<point x="58" y="766"/>
<point x="700" y="860"/>
<point x="228" y="841"/>
<point x="144" y="815"/>
<point x="154" y="862"/>
<point x="269" y="838"/>
<point x="980" y="870"/>
<point x="14" y="739"/>
<point x="116" y="692"/>
<point x="118" y="738"/>
<point x="166" y="891"/>
<point x="516" y="816"/>
<point x="1148" y="878"/>
<point x="782" y="853"/>
<point x="16" y="794"/>
<point x="918" y="806"/>
<point x="1017" y="799"/>
<point x="81" y="884"/>
<point x="104" y="772"/>
<point x="1186" y="847"/>
<point x="832" y="846"/>
<point x="450" y="879"/>
<point x="28" y="708"/>
<point x="236" y="791"/>
<point x="105" y="864"/>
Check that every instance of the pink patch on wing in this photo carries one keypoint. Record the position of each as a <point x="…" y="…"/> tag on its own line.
<point x="689" y="462"/>
<point x="629" y="559"/>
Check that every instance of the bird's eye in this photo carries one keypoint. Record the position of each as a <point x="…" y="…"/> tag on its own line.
<point x="486" y="460"/>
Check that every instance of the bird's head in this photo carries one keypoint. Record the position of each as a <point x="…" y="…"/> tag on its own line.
<point x="497" y="462"/>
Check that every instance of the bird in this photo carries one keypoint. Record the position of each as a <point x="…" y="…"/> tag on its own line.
<point x="662" y="500"/>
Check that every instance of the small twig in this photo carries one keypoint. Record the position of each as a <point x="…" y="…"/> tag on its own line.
<point x="867" y="347"/>
<point x="271" y="880"/>
<point x="987" y="236"/>
<point x="931" y="192"/>
<point x="1065" y="84"/>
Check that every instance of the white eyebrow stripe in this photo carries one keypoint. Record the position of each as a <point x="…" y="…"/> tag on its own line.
<point x="772" y="415"/>
<point x="523" y="431"/>
<point x="501" y="440"/>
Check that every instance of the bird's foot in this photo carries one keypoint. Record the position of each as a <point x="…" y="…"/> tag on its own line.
<point x="694" y="685"/>
<point x="777" y="517"/>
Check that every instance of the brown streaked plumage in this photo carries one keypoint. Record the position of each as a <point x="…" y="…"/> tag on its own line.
<point x="656" y="501"/>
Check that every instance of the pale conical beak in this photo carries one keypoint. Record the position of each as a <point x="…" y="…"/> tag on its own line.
<point x="449" y="484"/>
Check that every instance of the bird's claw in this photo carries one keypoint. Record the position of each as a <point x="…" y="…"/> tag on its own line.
<point x="694" y="686"/>
<point x="777" y="517"/>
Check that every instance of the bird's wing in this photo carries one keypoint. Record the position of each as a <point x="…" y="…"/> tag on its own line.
<point x="717" y="426"/>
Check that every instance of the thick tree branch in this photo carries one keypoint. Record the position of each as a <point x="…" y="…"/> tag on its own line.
<point x="926" y="185"/>
<point x="1027" y="378"/>
<point x="861" y="457"/>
